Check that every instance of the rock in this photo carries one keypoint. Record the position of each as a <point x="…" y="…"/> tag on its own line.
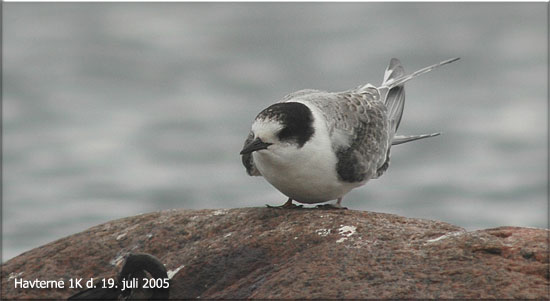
<point x="304" y="253"/>
<point x="132" y="282"/>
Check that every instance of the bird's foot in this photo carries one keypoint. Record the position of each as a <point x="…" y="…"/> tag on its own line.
<point x="287" y="205"/>
<point x="337" y="205"/>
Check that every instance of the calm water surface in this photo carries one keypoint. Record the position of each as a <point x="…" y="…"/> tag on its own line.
<point x="110" y="110"/>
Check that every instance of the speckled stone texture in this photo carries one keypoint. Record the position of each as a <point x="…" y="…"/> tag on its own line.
<point x="307" y="253"/>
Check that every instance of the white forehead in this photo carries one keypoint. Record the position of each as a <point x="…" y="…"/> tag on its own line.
<point x="265" y="128"/>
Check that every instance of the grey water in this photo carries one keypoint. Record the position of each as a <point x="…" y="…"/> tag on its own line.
<point x="116" y="109"/>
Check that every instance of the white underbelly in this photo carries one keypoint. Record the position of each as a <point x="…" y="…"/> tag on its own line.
<point x="309" y="179"/>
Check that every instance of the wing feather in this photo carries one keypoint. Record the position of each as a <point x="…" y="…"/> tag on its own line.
<point x="358" y="127"/>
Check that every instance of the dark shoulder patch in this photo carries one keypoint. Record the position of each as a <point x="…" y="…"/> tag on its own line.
<point x="248" y="161"/>
<point x="296" y="118"/>
<point x="349" y="167"/>
<point x="380" y="171"/>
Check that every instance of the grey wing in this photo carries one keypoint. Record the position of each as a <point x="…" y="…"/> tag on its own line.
<point x="248" y="160"/>
<point x="300" y="94"/>
<point x="360" y="132"/>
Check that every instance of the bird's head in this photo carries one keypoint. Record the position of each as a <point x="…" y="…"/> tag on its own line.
<point x="280" y="127"/>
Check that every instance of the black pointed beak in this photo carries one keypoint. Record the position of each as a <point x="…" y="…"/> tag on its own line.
<point x="255" y="145"/>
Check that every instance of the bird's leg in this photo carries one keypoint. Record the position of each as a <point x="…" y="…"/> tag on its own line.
<point x="337" y="205"/>
<point x="287" y="205"/>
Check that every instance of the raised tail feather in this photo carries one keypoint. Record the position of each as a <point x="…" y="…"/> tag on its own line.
<point x="393" y="93"/>
<point x="404" y="139"/>
<point x="392" y="90"/>
<point x="396" y="81"/>
<point x="394" y="97"/>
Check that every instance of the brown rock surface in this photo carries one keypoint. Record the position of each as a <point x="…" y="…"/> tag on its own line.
<point x="308" y="253"/>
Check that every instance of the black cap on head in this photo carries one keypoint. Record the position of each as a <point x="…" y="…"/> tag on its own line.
<point x="296" y="118"/>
